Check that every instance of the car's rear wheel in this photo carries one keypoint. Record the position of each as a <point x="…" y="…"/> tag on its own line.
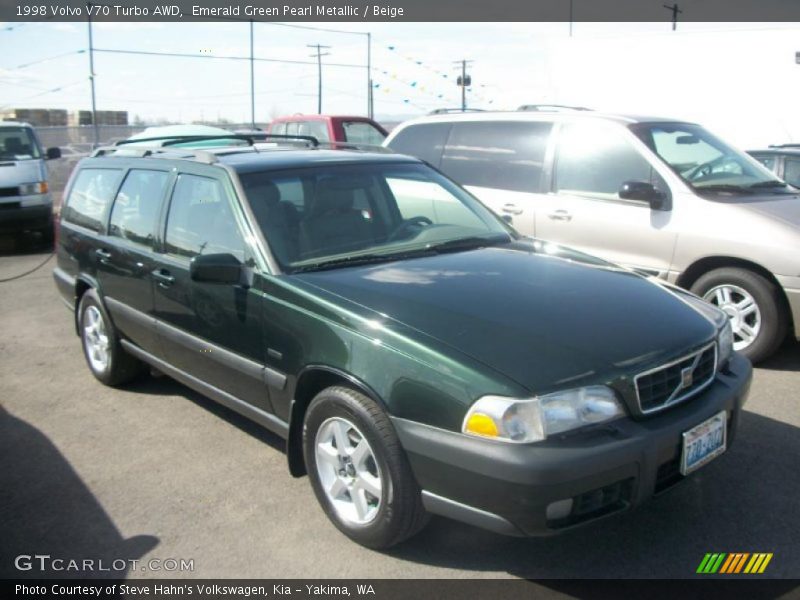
<point x="106" y="358"/>
<point x="754" y="306"/>
<point x="358" y="469"/>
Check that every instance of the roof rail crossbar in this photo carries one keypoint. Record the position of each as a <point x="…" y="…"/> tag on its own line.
<point x="144" y="151"/>
<point x="448" y="111"/>
<point x="171" y="140"/>
<point x="550" y="108"/>
<point x="789" y="145"/>
<point x="356" y="146"/>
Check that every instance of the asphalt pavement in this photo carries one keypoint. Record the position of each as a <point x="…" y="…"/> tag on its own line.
<point x="154" y="471"/>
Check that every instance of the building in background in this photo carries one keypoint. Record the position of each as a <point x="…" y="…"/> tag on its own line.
<point x="104" y="117"/>
<point x="38" y="117"/>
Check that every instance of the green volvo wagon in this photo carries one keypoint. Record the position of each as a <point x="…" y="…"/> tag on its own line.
<point x="418" y="355"/>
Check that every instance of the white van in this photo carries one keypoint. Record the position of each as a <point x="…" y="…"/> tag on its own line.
<point x="661" y="196"/>
<point x="25" y="201"/>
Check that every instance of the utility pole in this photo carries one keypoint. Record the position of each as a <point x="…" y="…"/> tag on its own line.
<point x="370" y="109"/>
<point x="319" y="56"/>
<point x="570" y="18"/>
<point x="463" y="80"/>
<point x="252" y="81"/>
<point x="91" y="76"/>
<point x="675" y="12"/>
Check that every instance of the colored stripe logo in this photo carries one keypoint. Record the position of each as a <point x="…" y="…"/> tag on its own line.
<point x="734" y="563"/>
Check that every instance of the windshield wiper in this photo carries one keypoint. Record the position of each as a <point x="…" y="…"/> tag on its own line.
<point x="466" y="243"/>
<point x="772" y="183"/>
<point x="361" y="259"/>
<point x="723" y="187"/>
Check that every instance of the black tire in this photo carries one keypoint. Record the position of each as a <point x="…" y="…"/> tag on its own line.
<point x="768" y="298"/>
<point x="121" y="367"/>
<point x="400" y="513"/>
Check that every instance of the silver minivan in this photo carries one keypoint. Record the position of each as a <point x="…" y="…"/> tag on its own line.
<point x="25" y="200"/>
<point x="664" y="197"/>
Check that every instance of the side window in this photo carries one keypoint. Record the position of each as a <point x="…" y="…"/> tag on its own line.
<point x="361" y="132"/>
<point x="497" y="154"/>
<point x="201" y="219"/>
<point x="137" y="205"/>
<point x="278" y="129"/>
<point x="292" y="128"/>
<point x="425" y="141"/>
<point x="791" y="171"/>
<point x="595" y="160"/>
<point x="90" y="196"/>
<point x="317" y="129"/>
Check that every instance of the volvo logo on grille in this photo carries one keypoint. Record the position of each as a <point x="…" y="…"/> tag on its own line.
<point x="687" y="376"/>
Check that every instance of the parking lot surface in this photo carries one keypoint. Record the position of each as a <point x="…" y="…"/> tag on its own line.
<point x="155" y="471"/>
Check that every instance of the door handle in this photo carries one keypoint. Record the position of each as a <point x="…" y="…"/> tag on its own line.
<point x="511" y="209"/>
<point x="560" y="215"/>
<point x="163" y="277"/>
<point x="103" y="255"/>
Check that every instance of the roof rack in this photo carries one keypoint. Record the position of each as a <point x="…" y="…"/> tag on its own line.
<point x="144" y="151"/>
<point x="447" y="111"/>
<point x="356" y="146"/>
<point x="170" y="142"/>
<point x="550" y="108"/>
<point x="790" y="145"/>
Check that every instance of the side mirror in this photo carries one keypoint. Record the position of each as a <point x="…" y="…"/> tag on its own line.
<point x="53" y="153"/>
<point x="645" y="192"/>
<point x="216" y="268"/>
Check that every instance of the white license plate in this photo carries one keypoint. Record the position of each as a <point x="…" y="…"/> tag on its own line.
<point x="704" y="443"/>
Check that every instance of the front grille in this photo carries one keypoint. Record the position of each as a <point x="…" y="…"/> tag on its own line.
<point x="676" y="381"/>
<point x="7" y="192"/>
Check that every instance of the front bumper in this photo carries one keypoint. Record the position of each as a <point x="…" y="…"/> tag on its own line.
<point x="791" y="287"/>
<point x="26" y="212"/>
<point x="606" y="469"/>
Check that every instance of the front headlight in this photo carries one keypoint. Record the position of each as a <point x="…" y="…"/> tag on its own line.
<point x="532" y="420"/>
<point x="724" y="344"/>
<point x="29" y="189"/>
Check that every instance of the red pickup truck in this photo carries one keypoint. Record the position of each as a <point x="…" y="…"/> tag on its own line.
<point x="330" y="128"/>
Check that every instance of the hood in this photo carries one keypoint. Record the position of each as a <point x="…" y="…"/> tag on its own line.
<point x="784" y="208"/>
<point x="541" y="319"/>
<point x="15" y="172"/>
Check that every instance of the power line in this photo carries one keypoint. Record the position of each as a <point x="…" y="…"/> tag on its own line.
<point x="226" y="57"/>
<point x="41" y="60"/>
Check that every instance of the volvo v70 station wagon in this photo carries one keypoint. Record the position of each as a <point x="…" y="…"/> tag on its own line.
<point x="417" y="354"/>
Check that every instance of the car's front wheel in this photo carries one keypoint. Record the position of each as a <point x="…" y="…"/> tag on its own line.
<point x="753" y="305"/>
<point x="358" y="469"/>
<point x="106" y="358"/>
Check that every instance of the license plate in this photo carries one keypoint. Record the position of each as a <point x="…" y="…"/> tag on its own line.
<point x="704" y="443"/>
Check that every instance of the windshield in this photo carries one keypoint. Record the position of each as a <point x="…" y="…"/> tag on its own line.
<point x="18" y="143"/>
<point x="343" y="214"/>
<point x="703" y="160"/>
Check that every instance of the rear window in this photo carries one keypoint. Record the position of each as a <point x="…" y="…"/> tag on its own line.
<point x="90" y="197"/>
<point x="425" y="141"/>
<point x="502" y="155"/>
<point x="361" y="132"/>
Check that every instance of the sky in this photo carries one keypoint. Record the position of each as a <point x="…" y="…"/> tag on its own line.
<point x="741" y="80"/>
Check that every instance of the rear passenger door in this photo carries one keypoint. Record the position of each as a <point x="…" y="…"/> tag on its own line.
<point x="210" y="331"/>
<point x="125" y="256"/>
<point x="502" y="163"/>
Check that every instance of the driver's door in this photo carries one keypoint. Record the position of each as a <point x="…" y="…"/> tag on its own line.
<point x="584" y="210"/>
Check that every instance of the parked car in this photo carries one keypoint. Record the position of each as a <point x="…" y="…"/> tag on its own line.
<point x="25" y="201"/>
<point x="783" y="160"/>
<point x="417" y="353"/>
<point x="331" y="128"/>
<point x="666" y="198"/>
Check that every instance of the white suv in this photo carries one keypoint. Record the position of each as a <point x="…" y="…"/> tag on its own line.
<point x="661" y="196"/>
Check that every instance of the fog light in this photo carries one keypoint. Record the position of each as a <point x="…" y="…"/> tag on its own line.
<point x="559" y="509"/>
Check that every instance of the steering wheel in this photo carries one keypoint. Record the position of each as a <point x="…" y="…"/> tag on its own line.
<point x="705" y="169"/>
<point x="406" y="226"/>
